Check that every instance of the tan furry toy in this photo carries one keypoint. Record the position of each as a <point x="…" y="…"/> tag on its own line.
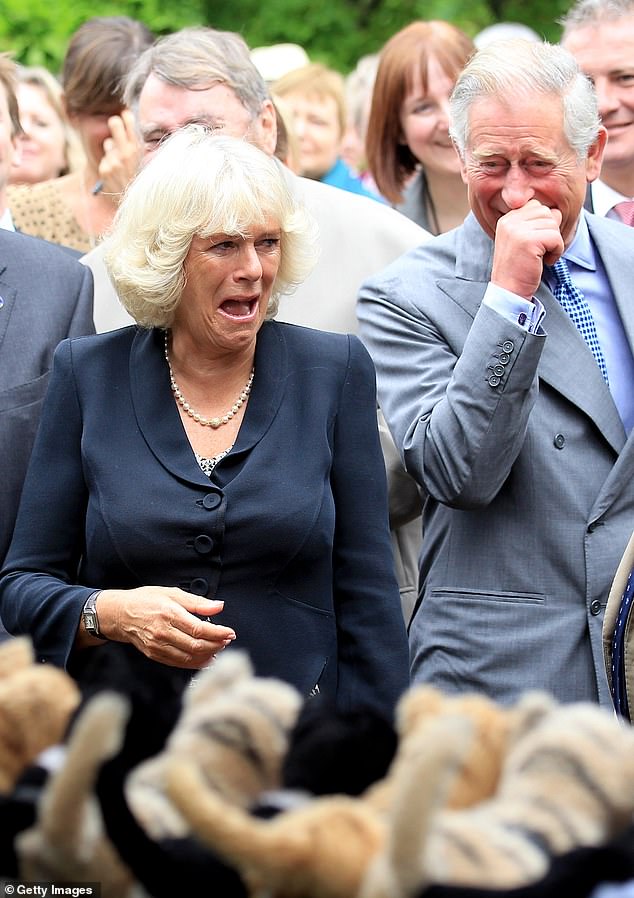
<point x="300" y="853"/>
<point x="68" y="842"/>
<point x="36" y="703"/>
<point x="319" y="850"/>
<point x="567" y="782"/>
<point x="567" y="779"/>
<point x="235" y="727"/>
<point x="15" y="654"/>
<point x="493" y="728"/>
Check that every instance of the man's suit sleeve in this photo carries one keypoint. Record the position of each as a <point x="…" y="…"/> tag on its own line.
<point x="458" y="425"/>
<point x="36" y="592"/>
<point x="82" y="320"/>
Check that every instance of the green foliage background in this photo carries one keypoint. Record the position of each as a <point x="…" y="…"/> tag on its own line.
<point x="336" y="32"/>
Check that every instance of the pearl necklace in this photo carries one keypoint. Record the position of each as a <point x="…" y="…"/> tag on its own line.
<point x="198" y="418"/>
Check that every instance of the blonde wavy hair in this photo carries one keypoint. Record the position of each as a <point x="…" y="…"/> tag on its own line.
<point x="199" y="184"/>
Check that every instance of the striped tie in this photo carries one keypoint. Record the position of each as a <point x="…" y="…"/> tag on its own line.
<point x="573" y="302"/>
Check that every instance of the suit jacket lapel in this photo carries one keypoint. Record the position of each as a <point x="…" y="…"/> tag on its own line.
<point x="8" y="297"/>
<point x="158" y="417"/>
<point x="619" y="275"/>
<point x="267" y="392"/>
<point x="155" y="409"/>
<point x="474" y="253"/>
<point x="567" y="364"/>
<point x="474" y="259"/>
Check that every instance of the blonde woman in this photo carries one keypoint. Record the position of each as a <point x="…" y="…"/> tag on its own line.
<point x="48" y="146"/>
<point x="221" y="471"/>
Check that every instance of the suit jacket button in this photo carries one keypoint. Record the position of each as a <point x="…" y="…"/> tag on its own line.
<point x="199" y="586"/>
<point x="494" y="380"/>
<point x="498" y="370"/>
<point x="211" y="501"/>
<point x="203" y="544"/>
<point x="595" y="607"/>
<point x="559" y="441"/>
<point x="508" y="346"/>
<point x="504" y="358"/>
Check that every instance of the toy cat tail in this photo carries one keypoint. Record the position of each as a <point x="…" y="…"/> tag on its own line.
<point x="96" y="737"/>
<point x="68" y="842"/>
<point x="421" y="790"/>
<point x="320" y="849"/>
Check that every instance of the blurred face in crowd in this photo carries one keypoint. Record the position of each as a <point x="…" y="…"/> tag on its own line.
<point x="425" y="120"/>
<point x="43" y="143"/>
<point x="606" y="54"/>
<point x="8" y="146"/>
<point x="517" y="152"/>
<point x="315" y="123"/>
<point x="164" y="108"/>
<point x="353" y="149"/>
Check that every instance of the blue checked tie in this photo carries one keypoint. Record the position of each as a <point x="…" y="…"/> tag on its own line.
<point x="573" y="302"/>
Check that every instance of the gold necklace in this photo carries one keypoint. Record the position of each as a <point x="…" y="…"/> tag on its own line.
<point x="196" y="416"/>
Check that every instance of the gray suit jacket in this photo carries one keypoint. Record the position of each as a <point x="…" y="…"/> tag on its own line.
<point x="530" y="493"/>
<point x="357" y="238"/>
<point x="45" y="295"/>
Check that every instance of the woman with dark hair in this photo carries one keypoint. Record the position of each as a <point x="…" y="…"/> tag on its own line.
<point x="77" y="209"/>
<point x="410" y="153"/>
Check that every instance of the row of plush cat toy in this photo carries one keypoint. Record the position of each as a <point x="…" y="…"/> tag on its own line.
<point x="462" y="793"/>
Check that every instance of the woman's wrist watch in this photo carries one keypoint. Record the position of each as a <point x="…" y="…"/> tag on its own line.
<point x="89" y="616"/>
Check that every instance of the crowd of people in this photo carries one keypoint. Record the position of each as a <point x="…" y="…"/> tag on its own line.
<point x="360" y="399"/>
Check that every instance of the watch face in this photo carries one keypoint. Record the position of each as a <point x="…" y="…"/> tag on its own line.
<point x="90" y="620"/>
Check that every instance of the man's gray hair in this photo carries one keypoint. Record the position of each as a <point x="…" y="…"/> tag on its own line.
<point x="594" y="12"/>
<point x="512" y="68"/>
<point x="196" y="58"/>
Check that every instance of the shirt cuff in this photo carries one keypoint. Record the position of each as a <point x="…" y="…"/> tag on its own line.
<point x="523" y="312"/>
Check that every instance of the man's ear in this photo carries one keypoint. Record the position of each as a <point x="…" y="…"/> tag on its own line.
<point x="463" y="166"/>
<point x="266" y="128"/>
<point x="594" y="158"/>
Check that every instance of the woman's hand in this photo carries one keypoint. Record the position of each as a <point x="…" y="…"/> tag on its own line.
<point x="162" y="622"/>
<point x="122" y="155"/>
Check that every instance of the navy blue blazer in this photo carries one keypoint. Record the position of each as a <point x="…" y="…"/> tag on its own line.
<point x="291" y="532"/>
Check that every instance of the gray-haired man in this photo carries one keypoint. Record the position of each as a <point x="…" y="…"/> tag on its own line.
<point x="506" y="378"/>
